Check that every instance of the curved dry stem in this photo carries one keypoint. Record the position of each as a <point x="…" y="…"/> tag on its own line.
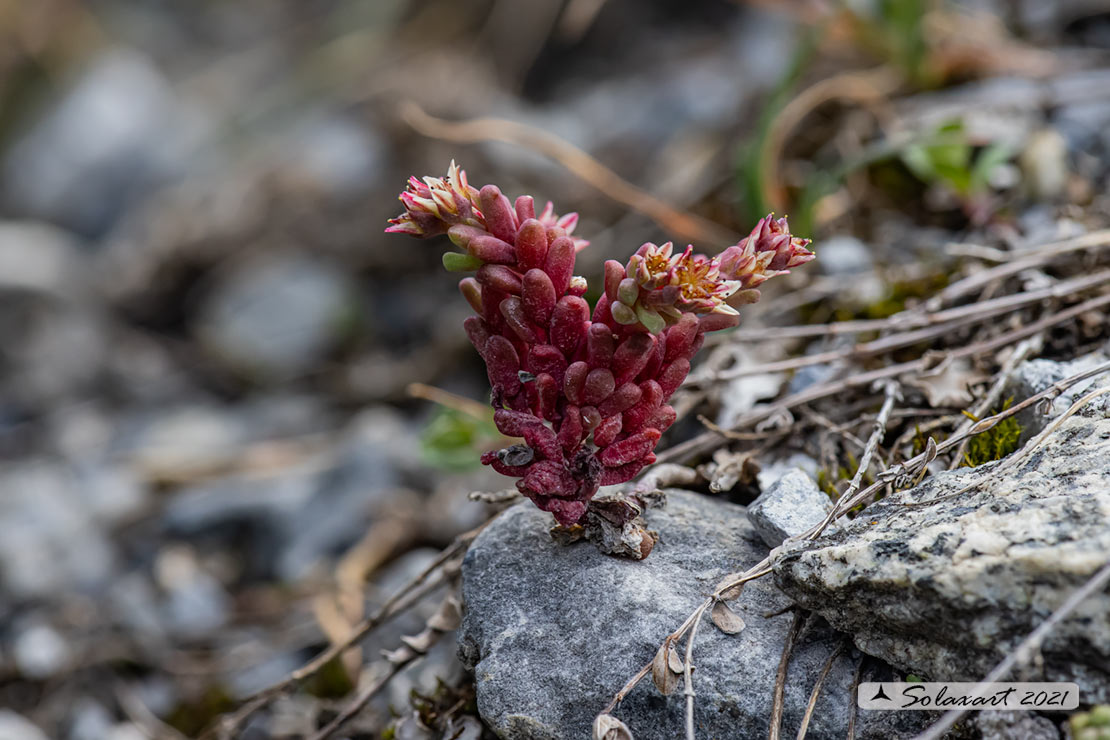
<point x="680" y="223"/>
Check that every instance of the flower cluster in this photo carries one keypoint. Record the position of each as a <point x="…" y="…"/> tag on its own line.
<point x="587" y="391"/>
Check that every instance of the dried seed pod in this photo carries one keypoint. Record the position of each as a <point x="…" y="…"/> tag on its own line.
<point x="568" y="324"/>
<point x="599" y="384"/>
<point x="599" y="345"/>
<point x="499" y="278"/>
<point x="559" y="263"/>
<point x="632" y="356"/>
<point x="498" y="213"/>
<point x="608" y="727"/>
<point x="628" y="450"/>
<point x="661" y="674"/>
<point x="726" y="619"/>
<point x="489" y="248"/>
<point x="607" y="431"/>
<point x="516" y="456"/>
<point x="574" y="382"/>
<point x="531" y="244"/>
<point x="538" y="295"/>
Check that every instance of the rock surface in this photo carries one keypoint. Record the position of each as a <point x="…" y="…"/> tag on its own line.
<point x="1034" y="376"/>
<point x="789" y="507"/>
<point x="552" y="632"/>
<point x="948" y="590"/>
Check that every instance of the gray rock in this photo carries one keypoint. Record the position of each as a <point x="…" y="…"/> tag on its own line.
<point x="88" y="720"/>
<point x="40" y="652"/>
<point x="50" y="540"/>
<point x="1014" y="726"/>
<point x="553" y="631"/>
<point x="1034" y="376"/>
<point x="948" y="590"/>
<point x="16" y="727"/>
<point x="789" y="507"/>
<point x="770" y="473"/>
<point x="115" y="132"/>
<point x="273" y="317"/>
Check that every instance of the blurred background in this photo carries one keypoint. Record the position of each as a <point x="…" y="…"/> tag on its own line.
<point x="213" y="456"/>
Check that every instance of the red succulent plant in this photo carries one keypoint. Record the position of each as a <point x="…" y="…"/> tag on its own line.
<point x="587" y="391"/>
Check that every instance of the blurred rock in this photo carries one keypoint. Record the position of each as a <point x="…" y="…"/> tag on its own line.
<point x="88" y="720"/>
<point x="16" y="727"/>
<point x="553" y="631"/>
<point x="196" y="604"/>
<point x="771" y="472"/>
<point x="113" y="134"/>
<point x="50" y="541"/>
<point x="789" y="507"/>
<point x="40" y="652"/>
<point x="273" y="317"/>
<point x="339" y="154"/>
<point x="948" y="590"/>
<point x="39" y="258"/>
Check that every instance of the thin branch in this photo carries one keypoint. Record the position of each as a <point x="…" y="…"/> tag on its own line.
<point x="674" y="221"/>
<point x="780" y="676"/>
<point x="705" y="441"/>
<point x="1022" y="655"/>
<point x="687" y="672"/>
<point x="890" y="388"/>
<point x="976" y="313"/>
<point x="366" y="695"/>
<point x="812" y="704"/>
<point x="410" y="594"/>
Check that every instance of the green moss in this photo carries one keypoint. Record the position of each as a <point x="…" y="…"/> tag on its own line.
<point x="995" y="443"/>
<point x="1091" y="725"/>
<point x="331" y="682"/>
<point x="192" y="717"/>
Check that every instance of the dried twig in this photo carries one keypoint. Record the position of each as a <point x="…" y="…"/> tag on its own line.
<point x="410" y="594"/>
<point x="812" y="704"/>
<point x="687" y="671"/>
<point x="940" y="324"/>
<point x="705" y="441"/>
<point x="890" y="389"/>
<point x="1029" y="646"/>
<point x="778" y="701"/>
<point x="680" y="223"/>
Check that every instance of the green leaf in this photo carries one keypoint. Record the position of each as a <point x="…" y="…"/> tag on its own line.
<point x="652" y="321"/>
<point x="454" y="441"/>
<point x="989" y="159"/>
<point x="456" y="262"/>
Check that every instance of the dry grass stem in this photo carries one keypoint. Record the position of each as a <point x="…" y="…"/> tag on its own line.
<point x="685" y="225"/>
